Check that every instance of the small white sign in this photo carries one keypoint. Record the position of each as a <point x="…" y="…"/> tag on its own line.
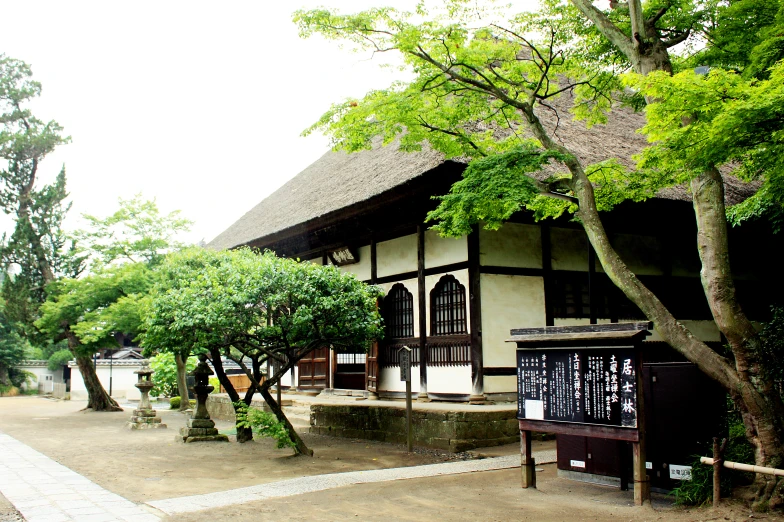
<point x="649" y="465"/>
<point x="680" y="472"/>
<point x="534" y="409"/>
<point x="578" y="463"/>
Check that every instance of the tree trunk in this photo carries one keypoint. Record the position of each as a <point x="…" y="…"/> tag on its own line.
<point x="98" y="399"/>
<point x="182" y="381"/>
<point x="300" y="446"/>
<point x="5" y="380"/>
<point x="761" y="405"/>
<point x="243" y="434"/>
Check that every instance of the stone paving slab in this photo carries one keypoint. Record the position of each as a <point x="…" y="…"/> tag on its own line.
<point x="298" y="486"/>
<point x="44" y="491"/>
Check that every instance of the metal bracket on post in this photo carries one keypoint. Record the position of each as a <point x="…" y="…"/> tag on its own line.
<point x="405" y="375"/>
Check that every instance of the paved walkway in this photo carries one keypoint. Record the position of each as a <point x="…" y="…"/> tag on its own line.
<point x="298" y="486"/>
<point x="45" y="491"/>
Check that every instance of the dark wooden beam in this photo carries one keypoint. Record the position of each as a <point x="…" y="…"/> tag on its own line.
<point x="475" y="317"/>
<point x="423" y="354"/>
<point x="580" y="430"/>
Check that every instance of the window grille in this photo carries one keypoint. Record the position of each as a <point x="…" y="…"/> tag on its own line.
<point x="448" y="307"/>
<point x="399" y="313"/>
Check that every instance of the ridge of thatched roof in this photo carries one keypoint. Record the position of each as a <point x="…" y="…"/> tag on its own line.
<point x="339" y="180"/>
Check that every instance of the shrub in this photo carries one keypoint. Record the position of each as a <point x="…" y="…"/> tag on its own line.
<point x="59" y="358"/>
<point x="263" y="423"/>
<point x="165" y="376"/>
<point x="174" y="403"/>
<point x="698" y="491"/>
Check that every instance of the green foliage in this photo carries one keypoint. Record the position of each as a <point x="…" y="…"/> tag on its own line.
<point x="771" y="352"/>
<point x="165" y="376"/>
<point x="59" y="359"/>
<point x="12" y="349"/>
<point x="208" y="300"/>
<point x="215" y="383"/>
<point x="95" y="307"/>
<point x="263" y="423"/>
<point x="732" y="122"/>
<point x="37" y="247"/>
<point x="136" y="232"/>
<point x="699" y="490"/>
<point x="492" y="189"/>
<point x="744" y="35"/>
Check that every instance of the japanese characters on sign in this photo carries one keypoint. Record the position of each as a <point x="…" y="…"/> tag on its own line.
<point x="593" y="386"/>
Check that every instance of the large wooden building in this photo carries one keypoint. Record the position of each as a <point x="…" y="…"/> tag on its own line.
<point x="459" y="298"/>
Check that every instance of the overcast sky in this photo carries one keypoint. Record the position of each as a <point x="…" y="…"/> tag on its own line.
<point x="197" y="104"/>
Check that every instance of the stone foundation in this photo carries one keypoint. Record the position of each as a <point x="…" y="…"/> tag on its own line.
<point x="201" y="430"/>
<point x="144" y="420"/>
<point x="446" y="430"/>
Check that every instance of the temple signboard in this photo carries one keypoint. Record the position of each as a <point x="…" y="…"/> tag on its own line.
<point x="584" y="381"/>
<point x="594" y="385"/>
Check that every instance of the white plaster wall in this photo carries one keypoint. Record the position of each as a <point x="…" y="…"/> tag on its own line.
<point x="569" y="249"/>
<point x="361" y="269"/>
<point x="389" y="379"/>
<point x="441" y="251"/>
<point x="508" y="302"/>
<point x="413" y="287"/>
<point x="123" y="380"/>
<point x="514" y="244"/>
<point x="500" y="384"/>
<point x="449" y="379"/>
<point x="40" y="373"/>
<point x="430" y="283"/>
<point x="397" y="256"/>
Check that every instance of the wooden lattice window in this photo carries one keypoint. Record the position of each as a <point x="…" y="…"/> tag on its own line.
<point x="399" y="313"/>
<point x="448" y="307"/>
<point x="570" y="296"/>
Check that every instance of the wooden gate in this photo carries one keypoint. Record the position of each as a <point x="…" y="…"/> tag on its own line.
<point x="371" y="369"/>
<point x="313" y="369"/>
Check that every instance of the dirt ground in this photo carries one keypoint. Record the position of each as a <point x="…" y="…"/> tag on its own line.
<point x="151" y="465"/>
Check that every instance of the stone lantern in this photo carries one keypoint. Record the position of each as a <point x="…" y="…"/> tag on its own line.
<point x="144" y="417"/>
<point x="201" y="428"/>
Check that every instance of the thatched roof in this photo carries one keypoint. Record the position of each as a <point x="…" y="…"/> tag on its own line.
<point x="339" y="180"/>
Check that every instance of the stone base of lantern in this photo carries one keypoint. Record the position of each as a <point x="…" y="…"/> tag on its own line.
<point x="201" y="430"/>
<point x="144" y="420"/>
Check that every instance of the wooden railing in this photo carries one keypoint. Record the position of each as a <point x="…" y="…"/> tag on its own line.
<point x="444" y="350"/>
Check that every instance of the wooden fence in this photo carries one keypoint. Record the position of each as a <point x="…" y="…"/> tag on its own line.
<point x="241" y="383"/>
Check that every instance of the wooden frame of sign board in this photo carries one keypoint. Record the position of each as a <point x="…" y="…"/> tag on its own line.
<point x="585" y="381"/>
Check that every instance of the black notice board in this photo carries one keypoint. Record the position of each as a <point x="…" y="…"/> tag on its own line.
<point x="590" y="386"/>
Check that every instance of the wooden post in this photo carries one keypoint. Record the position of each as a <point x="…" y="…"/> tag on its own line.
<point x="718" y="462"/>
<point x="527" y="464"/>
<point x="642" y="487"/>
<point x="409" y="434"/>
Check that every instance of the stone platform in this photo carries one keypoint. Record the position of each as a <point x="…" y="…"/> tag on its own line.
<point x="447" y="426"/>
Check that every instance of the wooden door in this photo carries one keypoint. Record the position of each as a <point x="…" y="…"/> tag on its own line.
<point x="313" y="369"/>
<point x="371" y="369"/>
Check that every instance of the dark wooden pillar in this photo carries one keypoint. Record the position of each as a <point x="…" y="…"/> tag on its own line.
<point x="642" y="486"/>
<point x="547" y="275"/>
<point x="475" y="319"/>
<point x="423" y="352"/>
<point x="373" y="262"/>
<point x="593" y="294"/>
<point x="527" y="463"/>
